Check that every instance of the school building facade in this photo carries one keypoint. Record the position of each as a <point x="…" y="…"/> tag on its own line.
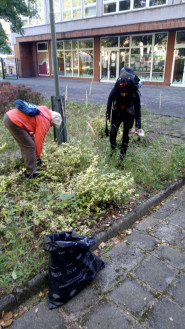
<point x="96" y="38"/>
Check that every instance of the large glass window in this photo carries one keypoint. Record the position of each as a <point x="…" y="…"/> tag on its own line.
<point x="86" y="63"/>
<point x="179" y="60"/>
<point x="159" y="56"/>
<point x="75" y="57"/>
<point x="123" y="58"/>
<point x="43" y="58"/>
<point x="109" y="42"/>
<point x="145" y="54"/>
<point x="140" y="62"/>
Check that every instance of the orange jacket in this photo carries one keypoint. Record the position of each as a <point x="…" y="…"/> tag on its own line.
<point x="36" y="126"/>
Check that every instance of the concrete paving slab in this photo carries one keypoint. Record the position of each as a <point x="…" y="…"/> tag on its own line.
<point x="182" y="245"/>
<point x="168" y="233"/>
<point x="40" y="317"/>
<point x="110" y="276"/>
<point x="81" y="303"/>
<point x="132" y="296"/>
<point x="158" y="274"/>
<point x="143" y="241"/>
<point x="126" y="256"/>
<point x="147" y="223"/>
<point x="177" y="289"/>
<point x="171" y="256"/>
<point x="107" y="316"/>
<point x="178" y="218"/>
<point x="164" y="212"/>
<point x="166" y="315"/>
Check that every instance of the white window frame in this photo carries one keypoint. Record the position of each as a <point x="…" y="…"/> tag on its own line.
<point x="131" y="6"/>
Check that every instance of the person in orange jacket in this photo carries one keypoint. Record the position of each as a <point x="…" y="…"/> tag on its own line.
<point x="29" y="132"/>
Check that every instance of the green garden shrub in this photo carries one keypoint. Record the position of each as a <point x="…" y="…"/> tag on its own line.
<point x="9" y="93"/>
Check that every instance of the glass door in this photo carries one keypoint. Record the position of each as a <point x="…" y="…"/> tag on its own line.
<point x="109" y="64"/>
<point x="179" y="67"/>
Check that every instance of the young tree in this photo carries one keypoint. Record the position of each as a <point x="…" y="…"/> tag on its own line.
<point x="11" y="11"/>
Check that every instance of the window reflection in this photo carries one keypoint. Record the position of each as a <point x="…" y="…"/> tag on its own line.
<point x="179" y="66"/>
<point x="75" y="57"/>
<point x="43" y="58"/>
<point x="145" y="54"/>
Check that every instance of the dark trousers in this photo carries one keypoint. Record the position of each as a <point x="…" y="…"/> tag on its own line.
<point x="117" y="119"/>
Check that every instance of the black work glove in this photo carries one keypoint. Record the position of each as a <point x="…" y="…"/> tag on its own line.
<point x="39" y="162"/>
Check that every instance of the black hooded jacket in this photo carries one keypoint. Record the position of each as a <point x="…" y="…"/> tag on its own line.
<point x="130" y="103"/>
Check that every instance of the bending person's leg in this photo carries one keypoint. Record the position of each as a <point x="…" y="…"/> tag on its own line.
<point x="127" y="125"/>
<point x="27" y="145"/>
<point x="113" y="132"/>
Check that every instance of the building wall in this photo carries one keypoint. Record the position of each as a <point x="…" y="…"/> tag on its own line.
<point x="168" y="18"/>
<point x="131" y="21"/>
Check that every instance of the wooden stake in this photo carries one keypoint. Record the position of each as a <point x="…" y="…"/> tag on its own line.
<point x="160" y="99"/>
<point x="66" y="94"/>
<point x="90" y="88"/>
<point x="86" y="98"/>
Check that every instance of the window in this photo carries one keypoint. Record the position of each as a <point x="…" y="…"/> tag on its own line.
<point x="145" y="54"/>
<point x="157" y="2"/>
<point x="75" y="57"/>
<point x="43" y="58"/>
<point x="148" y="56"/>
<point x="111" y="6"/>
<point x="109" y="42"/>
<point x="39" y="18"/>
<point x="57" y="10"/>
<point x="159" y="56"/>
<point x="89" y="8"/>
<point x="178" y="77"/>
<point x="139" y="4"/>
<point x="72" y="9"/>
<point x="75" y="9"/>
<point x="180" y="37"/>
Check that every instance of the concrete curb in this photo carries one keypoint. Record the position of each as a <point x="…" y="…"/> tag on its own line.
<point x="18" y="296"/>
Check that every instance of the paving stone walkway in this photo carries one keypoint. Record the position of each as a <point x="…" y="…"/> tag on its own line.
<point x="142" y="285"/>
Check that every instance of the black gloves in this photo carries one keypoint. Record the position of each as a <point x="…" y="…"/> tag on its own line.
<point x="39" y="162"/>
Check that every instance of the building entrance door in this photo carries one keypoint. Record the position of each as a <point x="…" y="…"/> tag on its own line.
<point x="179" y="67"/>
<point x="109" y="65"/>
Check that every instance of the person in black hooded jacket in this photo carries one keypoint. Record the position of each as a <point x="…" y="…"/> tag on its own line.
<point x="123" y="105"/>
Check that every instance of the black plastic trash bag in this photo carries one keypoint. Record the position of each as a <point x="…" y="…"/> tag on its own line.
<point x="71" y="265"/>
